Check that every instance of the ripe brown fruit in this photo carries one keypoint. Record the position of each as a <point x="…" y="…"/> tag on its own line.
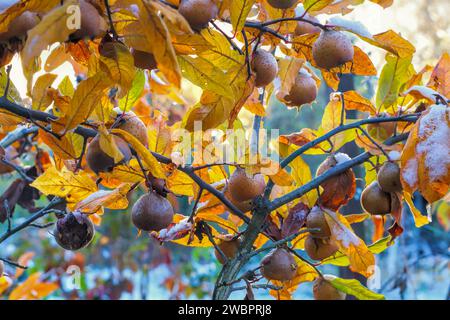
<point x="303" y="91"/>
<point x="20" y="25"/>
<point x="389" y="177"/>
<point x="152" y="212"/>
<point x="198" y="12"/>
<point x="279" y="265"/>
<point x="316" y="220"/>
<point x="324" y="290"/>
<point x="74" y="231"/>
<point x="305" y="27"/>
<point x="319" y="249"/>
<point x="282" y="4"/>
<point x="374" y="200"/>
<point x="382" y="130"/>
<point x="332" y="49"/>
<point x="132" y="124"/>
<point x="229" y="249"/>
<point x="100" y="161"/>
<point x="143" y="60"/>
<point x="92" y="23"/>
<point x="265" y="67"/>
<point x="244" y="206"/>
<point x="244" y="188"/>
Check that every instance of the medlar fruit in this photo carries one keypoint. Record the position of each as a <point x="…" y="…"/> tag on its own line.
<point x="389" y="177"/>
<point x="198" y="13"/>
<point x="100" y="161"/>
<point x="305" y="27"/>
<point x="332" y="49"/>
<point x="229" y="248"/>
<point x="74" y="231"/>
<point x="152" y="212"/>
<point x="279" y="264"/>
<point x="374" y="200"/>
<point x="324" y="290"/>
<point x="92" y="23"/>
<point x="316" y="220"/>
<point x="319" y="249"/>
<point x="244" y="206"/>
<point x="265" y="67"/>
<point x="244" y="188"/>
<point x="132" y="124"/>
<point x="303" y="91"/>
<point x="282" y="4"/>
<point x="20" y="25"/>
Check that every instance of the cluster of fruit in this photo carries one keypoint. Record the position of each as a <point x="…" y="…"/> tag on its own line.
<point x="379" y="197"/>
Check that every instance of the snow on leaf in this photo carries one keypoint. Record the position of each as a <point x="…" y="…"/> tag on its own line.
<point x="360" y="257"/>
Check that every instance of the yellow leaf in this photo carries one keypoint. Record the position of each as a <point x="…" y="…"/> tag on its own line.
<point x="84" y="101"/>
<point x="315" y="5"/>
<point x="40" y="99"/>
<point x="173" y="18"/>
<point x="332" y="119"/>
<point x="117" y="61"/>
<point x="108" y="144"/>
<point x="130" y="173"/>
<point x="239" y="11"/>
<point x="206" y="75"/>
<point x="149" y="160"/>
<point x="65" y="184"/>
<point x="68" y="147"/>
<point x="33" y="289"/>
<point x="158" y="39"/>
<point x="419" y="219"/>
<point x="354" y="101"/>
<point x="52" y="28"/>
<point x="180" y="183"/>
<point x="112" y="199"/>
<point x="360" y="257"/>
<point x="288" y="71"/>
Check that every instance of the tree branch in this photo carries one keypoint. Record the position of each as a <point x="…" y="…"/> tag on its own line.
<point x="328" y="174"/>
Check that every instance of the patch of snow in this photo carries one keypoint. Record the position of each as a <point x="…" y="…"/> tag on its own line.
<point x="409" y="172"/>
<point x="341" y="157"/>
<point x="433" y="126"/>
<point x="355" y="27"/>
<point x="394" y="155"/>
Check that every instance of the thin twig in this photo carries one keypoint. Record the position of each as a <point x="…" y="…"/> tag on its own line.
<point x="12" y="263"/>
<point x="111" y="23"/>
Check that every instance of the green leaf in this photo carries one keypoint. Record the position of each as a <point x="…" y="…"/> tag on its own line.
<point x="66" y="87"/>
<point x="395" y="73"/>
<point x="316" y="5"/>
<point x="341" y="260"/>
<point x="135" y="92"/>
<point x="356" y="289"/>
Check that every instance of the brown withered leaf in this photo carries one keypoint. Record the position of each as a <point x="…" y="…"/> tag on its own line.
<point x="440" y="78"/>
<point x="337" y="190"/>
<point x="295" y="220"/>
